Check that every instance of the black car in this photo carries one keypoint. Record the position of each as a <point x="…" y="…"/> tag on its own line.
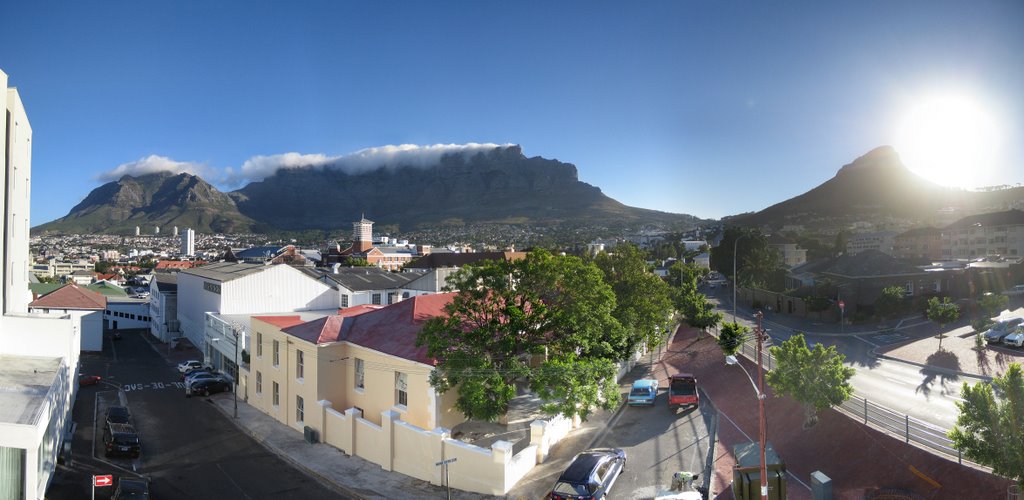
<point x="117" y="415"/>
<point x="590" y="475"/>
<point x="131" y="489"/>
<point x="121" y="439"/>
<point x="205" y="387"/>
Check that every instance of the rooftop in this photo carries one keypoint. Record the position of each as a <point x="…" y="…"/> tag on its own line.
<point x="25" y="382"/>
<point x="71" y="296"/>
<point x="364" y="278"/>
<point x="225" y="271"/>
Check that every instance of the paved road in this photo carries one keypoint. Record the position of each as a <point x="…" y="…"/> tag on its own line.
<point x="190" y="450"/>
<point x="923" y="394"/>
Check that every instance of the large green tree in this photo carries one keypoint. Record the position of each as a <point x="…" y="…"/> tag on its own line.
<point x="643" y="301"/>
<point x="508" y="314"/>
<point x="942" y="312"/>
<point x="889" y="302"/>
<point x="993" y="303"/>
<point x="731" y="337"/>
<point x="815" y="377"/>
<point x="757" y="263"/>
<point x="990" y="427"/>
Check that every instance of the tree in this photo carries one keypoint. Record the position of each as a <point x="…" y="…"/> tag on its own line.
<point x="758" y="264"/>
<point x="889" y="302"/>
<point x="992" y="303"/>
<point x="731" y="337"/>
<point x="815" y="377"/>
<point x="103" y="266"/>
<point x="942" y="312"/>
<point x="643" y="301"/>
<point x="509" y="313"/>
<point x="990" y="427"/>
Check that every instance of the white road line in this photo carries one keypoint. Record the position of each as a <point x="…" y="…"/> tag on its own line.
<point x="858" y="337"/>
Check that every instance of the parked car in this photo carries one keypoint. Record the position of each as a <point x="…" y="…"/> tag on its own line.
<point x="191" y="364"/>
<point x="117" y="415"/>
<point x="194" y="371"/>
<point x="121" y="439"/>
<point x="84" y="380"/>
<point x="196" y="377"/>
<point x="131" y="489"/>
<point x="1015" y="291"/>
<point x="1016" y="337"/>
<point x="644" y="392"/>
<point x="1001" y="329"/>
<point x="205" y="387"/>
<point x="590" y="475"/>
<point x="682" y="391"/>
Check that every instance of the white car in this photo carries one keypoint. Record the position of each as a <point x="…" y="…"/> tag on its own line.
<point x="1001" y="329"/>
<point x="1016" y="338"/>
<point x="191" y="364"/>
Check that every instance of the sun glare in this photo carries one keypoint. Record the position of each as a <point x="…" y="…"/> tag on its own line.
<point x="949" y="139"/>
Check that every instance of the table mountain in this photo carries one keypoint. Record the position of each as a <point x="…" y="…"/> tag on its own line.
<point x="499" y="186"/>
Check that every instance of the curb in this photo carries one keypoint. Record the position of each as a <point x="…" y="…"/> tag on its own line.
<point x="329" y="484"/>
<point x="930" y="367"/>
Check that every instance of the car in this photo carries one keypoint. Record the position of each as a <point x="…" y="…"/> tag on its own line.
<point x="202" y="376"/>
<point x="590" y="475"/>
<point x="1016" y="337"/>
<point x="205" y="387"/>
<point x="121" y="439"/>
<point x="117" y="415"/>
<point x="644" y="392"/>
<point x="191" y="364"/>
<point x="205" y="369"/>
<point x="84" y="380"/>
<point x="1001" y="329"/>
<point x="1015" y="291"/>
<point x="134" y="489"/>
<point x="682" y="391"/>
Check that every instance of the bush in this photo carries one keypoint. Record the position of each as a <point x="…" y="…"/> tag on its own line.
<point x="981" y="324"/>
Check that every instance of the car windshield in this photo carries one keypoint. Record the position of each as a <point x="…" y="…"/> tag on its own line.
<point x="565" y="488"/>
<point x="640" y="391"/>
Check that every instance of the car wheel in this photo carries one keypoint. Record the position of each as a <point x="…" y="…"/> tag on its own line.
<point x="206" y="392"/>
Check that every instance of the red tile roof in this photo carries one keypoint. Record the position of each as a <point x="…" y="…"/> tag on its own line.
<point x="175" y="264"/>
<point x="319" y="331"/>
<point x="393" y="329"/>
<point x="357" y="310"/>
<point x="71" y="297"/>
<point x="280" y="321"/>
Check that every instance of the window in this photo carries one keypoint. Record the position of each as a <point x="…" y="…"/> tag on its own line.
<point x="277" y="394"/>
<point x="344" y="300"/>
<point x="401" y="388"/>
<point x="259" y="383"/>
<point x="376" y="299"/>
<point x="277" y="353"/>
<point x="300" y="410"/>
<point x="259" y="344"/>
<point x="360" y="378"/>
<point x="391" y="298"/>
<point x="299" y="369"/>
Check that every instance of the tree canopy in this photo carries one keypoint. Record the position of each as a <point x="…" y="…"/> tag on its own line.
<point x="758" y="264"/>
<point x="990" y="427"/>
<point x="889" y="302"/>
<point x="508" y="314"/>
<point x="993" y="303"/>
<point x="942" y="312"/>
<point x="731" y="337"/>
<point x="643" y="302"/>
<point x="815" y="377"/>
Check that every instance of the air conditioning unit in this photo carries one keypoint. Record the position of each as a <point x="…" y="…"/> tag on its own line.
<point x="311" y="435"/>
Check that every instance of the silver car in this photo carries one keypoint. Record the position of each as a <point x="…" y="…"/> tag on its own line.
<point x="1001" y="329"/>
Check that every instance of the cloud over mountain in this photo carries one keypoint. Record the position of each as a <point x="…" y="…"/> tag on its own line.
<point x="260" y="167"/>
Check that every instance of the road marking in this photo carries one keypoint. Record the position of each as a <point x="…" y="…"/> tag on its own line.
<point x="152" y="386"/>
<point x="858" y="337"/>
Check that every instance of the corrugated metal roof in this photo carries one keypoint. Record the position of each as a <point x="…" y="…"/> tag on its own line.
<point x="360" y="279"/>
<point x="225" y="271"/>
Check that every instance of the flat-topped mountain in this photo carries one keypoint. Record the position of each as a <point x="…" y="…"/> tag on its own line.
<point x="500" y="186"/>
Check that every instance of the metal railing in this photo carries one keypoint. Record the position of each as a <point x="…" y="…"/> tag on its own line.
<point x="926" y="436"/>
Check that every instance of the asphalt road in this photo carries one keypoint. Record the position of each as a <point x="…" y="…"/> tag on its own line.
<point x="189" y="449"/>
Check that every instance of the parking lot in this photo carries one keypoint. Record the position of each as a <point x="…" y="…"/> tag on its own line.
<point x="189" y="448"/>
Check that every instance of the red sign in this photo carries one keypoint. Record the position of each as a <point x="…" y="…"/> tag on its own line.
<point x="107" y="480"/>
<point x="842" y="305"/>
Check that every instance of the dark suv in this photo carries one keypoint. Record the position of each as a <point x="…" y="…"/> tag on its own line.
<point x="120" y="439"/>
<point x="117" y="415"/>
<point x="131" y="488"/>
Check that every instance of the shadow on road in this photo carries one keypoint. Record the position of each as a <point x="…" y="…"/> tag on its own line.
<point x="944" y="360"/>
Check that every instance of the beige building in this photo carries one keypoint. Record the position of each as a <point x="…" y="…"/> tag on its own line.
<point x="365" y="357"/>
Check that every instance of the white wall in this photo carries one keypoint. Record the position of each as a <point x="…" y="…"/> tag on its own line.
<point x="133" y="314"/>
<point x="15" y="198"/>
<point x="89" y="323"/>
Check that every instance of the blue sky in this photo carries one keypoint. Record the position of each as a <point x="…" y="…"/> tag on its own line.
<point x="702" y="107"/>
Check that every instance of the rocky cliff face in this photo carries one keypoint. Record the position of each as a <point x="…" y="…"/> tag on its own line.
<point x="501" y="185"/>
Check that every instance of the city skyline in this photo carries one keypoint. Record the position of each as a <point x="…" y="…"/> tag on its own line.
<point x="705" y="109"/>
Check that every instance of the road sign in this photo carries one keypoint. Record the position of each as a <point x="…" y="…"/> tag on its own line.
<point x="842" y="305"/>
<point x="107" y="480"/>
<point x="446" y="462"/>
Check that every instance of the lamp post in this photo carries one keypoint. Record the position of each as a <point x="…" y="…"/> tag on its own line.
<point x="759" y="390"/>
<point x="735" y="275"/>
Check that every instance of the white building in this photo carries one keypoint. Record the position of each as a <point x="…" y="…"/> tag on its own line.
<point x="369" y="285"/>
<point x="38" y="354"/>
<point x="163" y="306"/>
<point x="84" y="306"/>
<point x="230" y="288"/>
<point x="188" y="242"/>
<point x="983" y="235"/>
<point x="137" y="230"/>
<point x="882" y="241"/>
<point x="694" y="245"/>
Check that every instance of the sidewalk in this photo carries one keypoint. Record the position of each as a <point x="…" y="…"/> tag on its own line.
<point x="354" y="477"/>
<point x="857" y="458"/>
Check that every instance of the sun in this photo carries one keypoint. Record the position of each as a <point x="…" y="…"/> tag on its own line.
<point x="950" y="139"/>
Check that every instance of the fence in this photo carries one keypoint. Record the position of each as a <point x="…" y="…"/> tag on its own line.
<point x="922" y="434"/>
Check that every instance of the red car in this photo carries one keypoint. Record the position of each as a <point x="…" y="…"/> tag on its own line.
<point x="84" y="380"/>
<point x="682" y="391"/>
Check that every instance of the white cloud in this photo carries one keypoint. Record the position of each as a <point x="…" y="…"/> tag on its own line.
<point x="403" y="155"/>
<point x="152" y="164"/>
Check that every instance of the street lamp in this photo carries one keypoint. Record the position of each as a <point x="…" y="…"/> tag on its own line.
<point x="759" y="390"/>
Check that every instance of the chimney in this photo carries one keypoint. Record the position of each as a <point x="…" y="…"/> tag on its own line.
<point x="334" y="268"/>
